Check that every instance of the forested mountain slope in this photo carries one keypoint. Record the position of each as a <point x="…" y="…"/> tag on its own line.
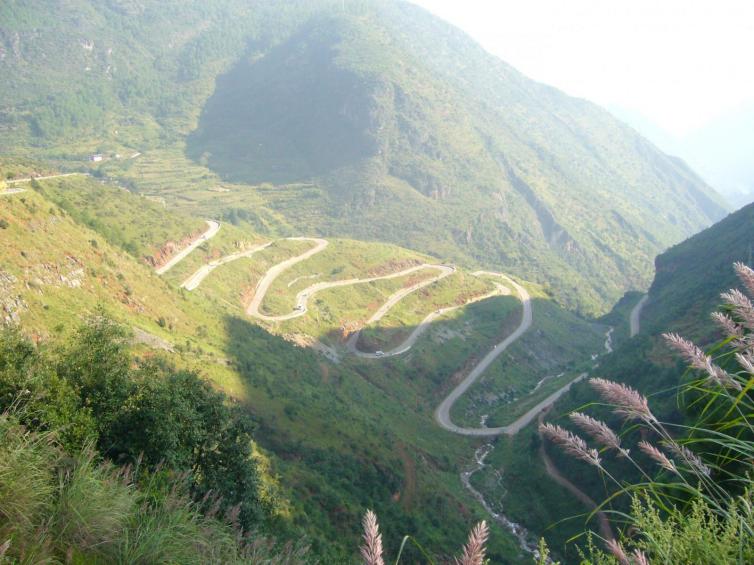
<point x="407" y="130"/>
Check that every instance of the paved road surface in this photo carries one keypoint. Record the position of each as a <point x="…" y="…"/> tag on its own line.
<point x="214" y="227"/>
<point x="302" y="298"/>
<point x="28" y="179"/>
<point x="11" y="191"/>
<point x="635" y="318"/>
<point x="442" y="414"/>
<point x="269" y="277"/>
<point x="193" y="282"/>
<point x="409" y="342"/>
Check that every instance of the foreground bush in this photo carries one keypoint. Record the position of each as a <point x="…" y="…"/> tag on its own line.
<point x="63" y="508"/>
<point x="92" y="392"/>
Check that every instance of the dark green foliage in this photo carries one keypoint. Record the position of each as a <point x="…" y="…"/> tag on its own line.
<point x="98" y="365"/>
<point x="150" y="413"/>
<point x="44" y="400"/>
<point x="67" y="112"/>
<point x="63" y="506"/>
<point x="691" y="275"/>
<point x="174" y="418"/>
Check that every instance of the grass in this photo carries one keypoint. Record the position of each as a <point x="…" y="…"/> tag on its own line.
<point x="557" y="347"/>
<point x="304" y="404"/>
<point x="138" y="226"/>
<point x="60" y="506"/>
<point x="398" y="323"/>
<point x="313" y="415"/>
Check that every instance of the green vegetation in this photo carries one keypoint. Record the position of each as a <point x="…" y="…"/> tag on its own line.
<point x="409" y="134"/>
<point x="409" y="130"/>
<point x="396" y="326"/>
<point x="60" y="505"/>
<point x="686" y="290"/>
<point x="93" y="395"/>
<point x="330" y="439"/>
<point x="136" y="225"/>
<point x="558" y="347"/>
<point x="691" y="502"/>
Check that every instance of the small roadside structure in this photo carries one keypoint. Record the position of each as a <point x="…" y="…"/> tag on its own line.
<point x="96" y="158"/>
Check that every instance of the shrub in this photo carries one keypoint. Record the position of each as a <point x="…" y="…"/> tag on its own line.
<point x="93" y="393"/>
<point x="58" y="507"/>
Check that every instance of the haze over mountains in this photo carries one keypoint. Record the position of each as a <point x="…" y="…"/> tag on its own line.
<point x="721" y="151"/>
<point x="404" y="126"/>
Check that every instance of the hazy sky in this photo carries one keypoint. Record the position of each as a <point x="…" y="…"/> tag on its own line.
<point x="680" y="63"/>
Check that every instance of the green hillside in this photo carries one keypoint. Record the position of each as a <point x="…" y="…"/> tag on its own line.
<point x="686" y="290"/>
<point x="60" y="267"/>
<point x="347" y="119"/>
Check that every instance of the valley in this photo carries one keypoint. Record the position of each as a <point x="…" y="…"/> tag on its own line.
<point x="268" y="265"/>
<point x="216" y="272"/>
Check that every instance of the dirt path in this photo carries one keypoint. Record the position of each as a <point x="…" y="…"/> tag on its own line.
<point x="29" y="179"/>
<point x="11" y="191"/>
<point x="604" y="523"/>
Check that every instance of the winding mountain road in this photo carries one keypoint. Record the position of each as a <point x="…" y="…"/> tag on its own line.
<point x="302" y="298"/>
<point x="193" y="282"/>
<point x="396" y="297"/>
<point x="214" y="227"/>
<point x="442" y="414"/>
<point x="12" y="191"/>
<point x="635" y="318"/>
<point x="424" y="325"/>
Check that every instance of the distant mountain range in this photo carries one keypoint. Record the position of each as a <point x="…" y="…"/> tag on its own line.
<point x="722" y="151"/>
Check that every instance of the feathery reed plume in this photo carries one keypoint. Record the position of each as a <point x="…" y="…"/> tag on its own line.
<point x="742" y="306"/>
<point x="4" y="548"/>
<point x="626" y="401"/>
<point x="746" y="275"/>
<point x="692" y="354"/>
<point x="600" y="431"/>
<point x="640" y="558"/>
<point x="616" y="549"/>
<point x="699" y="360"/>
<point x="722" y="377"/>
<point x="689" y="456"/>
<point x="570" y="443"/>
<point x="371" y="551"/>
<point x="729" y="326"/>
<point x="473" y="551"/>
<point x="745" y="361"/>
<point x="658" y="456"/>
